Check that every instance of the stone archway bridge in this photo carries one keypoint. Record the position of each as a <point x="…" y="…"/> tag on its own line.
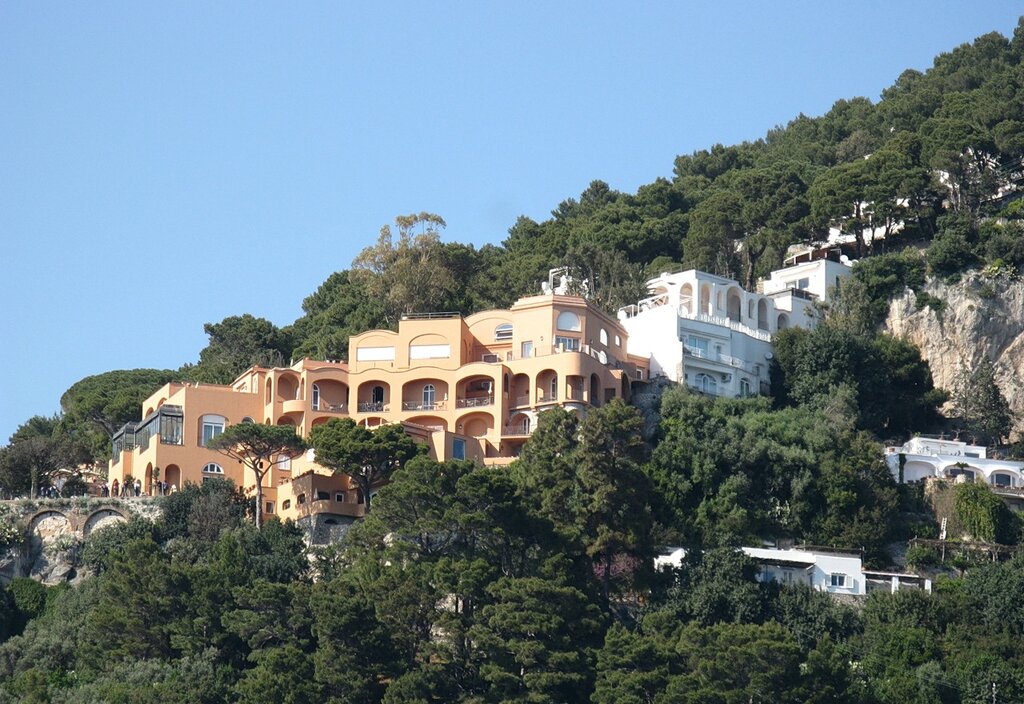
<point x="50" y="519"/>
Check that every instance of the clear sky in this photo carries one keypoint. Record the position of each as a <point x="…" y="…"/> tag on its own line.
<point x="164" y="165"/>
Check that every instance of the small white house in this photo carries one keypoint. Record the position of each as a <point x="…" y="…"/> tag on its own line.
<point x="825" y="571"/>
<point x="925" y="457"/>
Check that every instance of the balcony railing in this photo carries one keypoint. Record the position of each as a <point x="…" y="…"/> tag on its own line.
<point x="330" y="407"/>
<point x="548" y="398"/>
<point x="420" y="406"/>
<point x="474" y="402"/>
<point x="518" y="430"/>
<point x="373" y="407"/>
<point x="521" y="401"/>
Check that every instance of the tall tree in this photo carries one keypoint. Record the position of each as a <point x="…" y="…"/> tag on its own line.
<point x="368" y="457"/>
<point x="237" y="343"/>
<point x="980" y="406"/>
<point x="257" y="446"/>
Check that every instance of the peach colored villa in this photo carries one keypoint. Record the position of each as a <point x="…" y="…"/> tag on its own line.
<point x="469" y="387"/>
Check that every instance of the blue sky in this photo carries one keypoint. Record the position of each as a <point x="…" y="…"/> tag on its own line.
<point x="163" y="165"/>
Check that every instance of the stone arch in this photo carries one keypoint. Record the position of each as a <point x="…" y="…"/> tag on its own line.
<point x="595" y="390"/>
<point x="47" y="525"/>
<point x="762" y="315"/>
<point x="734" y="304"/>
<point x="916" y="470"/>
<point x="102" y="518"/>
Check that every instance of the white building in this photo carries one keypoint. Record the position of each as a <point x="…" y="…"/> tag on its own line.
<point x="708" y="332"/>
<point x="934" y="456"/>
<point x="832" y="572"/>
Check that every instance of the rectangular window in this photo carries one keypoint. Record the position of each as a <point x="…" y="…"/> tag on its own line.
<point x="302" y="499"/>
<point x="458" y="449"/>
<point x="375" y="354"/>
<point x="527" y="349"/>
<point x="340" y="497"/>
<point x="211" y="430"/>
<point x="838" y="580"/>
<point x="568" y="344"/>
<point x="286" y="504"/>
<point x="170" y="430"/>
<point x="430" y="351"/>
<point x="803" y="283"/>
<point x="270" y="507"/>
<point x="323" y="496"/>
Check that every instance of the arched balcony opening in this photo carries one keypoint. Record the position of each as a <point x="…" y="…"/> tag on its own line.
<point x="270" y="388"/>
<point x="520" y="393"/>
<point x="373" y="422"/>
<point x="286" y="420"/>
<point x="595" y="390"/>
<point x="425" y="395"/>
<point x="475" y="425"/>
<point x="373" y="397"/>
<point x="288" y="388"/>
<point x="475" y="391"/>
<point x="547" y="386"/>
<point x="734" y="304"/>
<point x="686" y="299"/>
<point x="519" y="425"/>
<point x="762" y="315"/>
<point x="147" y="480"/>
<point x="783" y="322"/>
<point x="916" y="470"/>
<point x="574" y="387"/>
<point x="1003" y="479"/>
<point x="329" y="396"/>
<point x="751" y="310"/>
<point x="705" y="299"/>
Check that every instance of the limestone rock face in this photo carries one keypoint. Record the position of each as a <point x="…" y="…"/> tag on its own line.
<point x="980" y="317"/>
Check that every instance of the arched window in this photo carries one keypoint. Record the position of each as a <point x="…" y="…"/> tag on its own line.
<point x="707" y="384"/>
<point x="316" y="397"/>
<point x="604" y="337"/>
<point x="503" y="332"/>
<point x="213" y="468"/>
<point x="783" y="322"/>
<point x="247" y="419"/>
<point x="428" y="396"/>
<point x="568" y="321"/>
<point x="554" y="386"/>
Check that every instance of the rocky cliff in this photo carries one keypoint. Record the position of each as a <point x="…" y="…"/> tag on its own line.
<point x="978" y="317"/>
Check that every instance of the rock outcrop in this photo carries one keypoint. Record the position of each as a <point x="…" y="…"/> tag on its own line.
<point x="976" y="318"/>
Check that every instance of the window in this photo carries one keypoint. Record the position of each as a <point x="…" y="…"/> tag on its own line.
<point x="1001" y="480"/>
<point x="527" y="349"/>
<point x="301" y="499"/>
<point x="618" y="341"/>
<point x="568" y="344"/>
<point x="568" y="321"/>
<point x="286" y="504"/>
<point x="503" y="332"/>
<point x="697" y="346"/>
<point x="838" y="580"/>
<point x="213" y="468"/>
<point x="284" y="463"/>
<point x="170" y="429"/>
<point x="212" y="427"/>
<point x="316" y="397"/>
<point x="745" y="387"/>
<point x="270" y="507"/>
<point x="803" y="283"/>
<point x="428" y="396"/>
<point x="458" y="449"/>
<point x="323" y="496"/>
<point x="249" y="420"/>
<point x="340" y="497"/>
<point x="554" y="386"/>
<point x="377" y="395"/>
<point x="707" y="384"/>
<point x="603" y="337"/>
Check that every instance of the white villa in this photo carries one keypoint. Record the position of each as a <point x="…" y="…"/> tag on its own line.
<point x="834" y="571"/>
<point x="934" y="456"/>
<point x="708" y="332"/>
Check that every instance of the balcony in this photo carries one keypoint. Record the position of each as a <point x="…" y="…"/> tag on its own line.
<point x="548" y="398"/>
<point x="477" y="402"/>
<point x="518" y="431"/>
<point x="329" y="407"/>
<point x="373" y="407"/>
<point x="521" y="402"/>
<point x="293" y="405"/>
<point x="420" y="406"/>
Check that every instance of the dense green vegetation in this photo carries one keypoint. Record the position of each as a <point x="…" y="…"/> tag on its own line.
<point x="536" y="582"/>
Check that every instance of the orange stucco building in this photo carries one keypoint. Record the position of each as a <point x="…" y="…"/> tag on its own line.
<point x="470" y="387"/>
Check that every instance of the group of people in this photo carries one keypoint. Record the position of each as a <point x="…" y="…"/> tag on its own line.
<point x="129" y="488"/>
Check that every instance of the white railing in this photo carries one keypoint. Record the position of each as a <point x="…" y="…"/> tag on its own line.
<point x="762" y="335"/>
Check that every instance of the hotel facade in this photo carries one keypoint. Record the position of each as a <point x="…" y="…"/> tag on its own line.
<point x="468" y="387"/>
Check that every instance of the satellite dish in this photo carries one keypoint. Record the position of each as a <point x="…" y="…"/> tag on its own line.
<point x="769" y="355"/>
